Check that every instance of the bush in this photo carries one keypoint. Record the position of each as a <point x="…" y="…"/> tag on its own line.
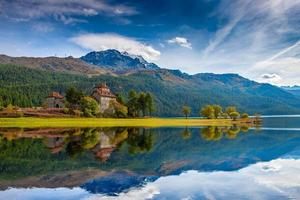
<point x="10" y="108"/>
<point x="245" y="116"/>
<point x="234" y="115"/>
<point x="89" y="106"/>
<point x="116" y="110"/>
<point x="66" y="110"/>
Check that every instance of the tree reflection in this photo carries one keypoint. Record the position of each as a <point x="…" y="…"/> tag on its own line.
<point x="215" y="133"/>
<point x="140" y="140"/>
<point x="186" y="133"/>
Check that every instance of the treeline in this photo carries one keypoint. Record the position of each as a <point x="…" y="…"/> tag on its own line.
<point x="135" y="105"/>
<point x="216" y="111"/>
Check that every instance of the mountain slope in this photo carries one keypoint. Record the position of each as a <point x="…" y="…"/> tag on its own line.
<point x="117" y="61"/>
<point x="68" y="64"/>
<point x="295" y="90"/>
<point x="171" y="88"/>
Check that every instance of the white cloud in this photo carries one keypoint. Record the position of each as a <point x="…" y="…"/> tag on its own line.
<point x="282" y="68"/>
<point x="255" y="40"/>
<point x="142" y="193"/>
<point x="271" y="78"/>
<point x="180" y="41"/>
<point x="266" y="15"/>
<point x="100" y="42"/>
<point x="63" y="10"/>
<point x="277" y="178"/>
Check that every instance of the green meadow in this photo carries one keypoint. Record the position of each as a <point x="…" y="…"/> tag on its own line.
<point x="113" y="122"/>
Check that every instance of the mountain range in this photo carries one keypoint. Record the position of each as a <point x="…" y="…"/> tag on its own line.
<point x="27" y="81"/>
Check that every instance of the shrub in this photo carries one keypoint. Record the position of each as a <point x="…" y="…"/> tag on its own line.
<point x="10" y="108"/>
<point x="65" y="110"/>
<point x="234" y="115"/>
<point x="245" y="116"/>
<point x="89" y="106"/>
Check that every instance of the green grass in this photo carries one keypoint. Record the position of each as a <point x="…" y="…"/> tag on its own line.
<point x="110" y="122"/>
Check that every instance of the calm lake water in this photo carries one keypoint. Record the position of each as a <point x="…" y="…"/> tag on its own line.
<point x="143" y="163"/>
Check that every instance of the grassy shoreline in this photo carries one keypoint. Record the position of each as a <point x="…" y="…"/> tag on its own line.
<point x="32" y="122"/>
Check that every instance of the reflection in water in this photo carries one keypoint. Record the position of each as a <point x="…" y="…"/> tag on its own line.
<point x="186" y="133"/>
<point x="108" y="163"/>
<point x="276" y="179"/>
<point x="103" y="141"/>
<point x="214" y="133"/>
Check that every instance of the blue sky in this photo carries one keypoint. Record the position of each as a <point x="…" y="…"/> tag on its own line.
<point x="257" y="39"/>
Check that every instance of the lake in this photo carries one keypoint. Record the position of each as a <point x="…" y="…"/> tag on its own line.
<point x="152" y="163"/>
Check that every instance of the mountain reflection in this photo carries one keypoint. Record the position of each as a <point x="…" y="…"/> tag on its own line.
<point x="73" y="156"/>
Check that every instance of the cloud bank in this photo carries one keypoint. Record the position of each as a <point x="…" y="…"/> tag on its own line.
<point x="100" y="42"/>
<point x="61" y="10"/>
<point x="181" y="41"/>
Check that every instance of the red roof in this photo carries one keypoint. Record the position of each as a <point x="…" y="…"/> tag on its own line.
<point x="104" y="154"/>
<point x="103" y="91"/>
<point x="56" y="95"/>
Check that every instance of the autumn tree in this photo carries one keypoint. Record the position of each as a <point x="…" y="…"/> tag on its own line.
<point x="186" y="110"/>
<point x="218" y="110"/>
<point x="208" y="111"/>
<point x="234" y="115"/>
<point x="230" y="109"/>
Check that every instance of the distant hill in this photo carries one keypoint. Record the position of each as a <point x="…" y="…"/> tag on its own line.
<point x="295" y="90"/>
<point x="117" y="61"/>
<point x="56" y="64"/>
<point x="172" y="89"/>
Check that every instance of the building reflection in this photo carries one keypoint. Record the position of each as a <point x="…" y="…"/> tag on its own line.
<point x="102" y="142"/>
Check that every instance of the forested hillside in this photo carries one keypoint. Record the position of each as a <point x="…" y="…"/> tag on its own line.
<point x="172" y="89"/>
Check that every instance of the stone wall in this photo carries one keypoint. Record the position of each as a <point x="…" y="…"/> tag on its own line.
<point x="54" y="103"/>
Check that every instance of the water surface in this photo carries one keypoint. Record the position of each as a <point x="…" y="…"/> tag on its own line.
<point x="145" y="163"/>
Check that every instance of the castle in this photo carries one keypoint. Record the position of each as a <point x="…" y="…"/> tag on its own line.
<point x="101" y="93"/>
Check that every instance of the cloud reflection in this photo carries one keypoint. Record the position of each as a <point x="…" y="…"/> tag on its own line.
<point x="267" y="180"/>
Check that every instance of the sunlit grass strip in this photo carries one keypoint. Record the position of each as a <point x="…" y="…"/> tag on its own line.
<point x="110" y="122"/>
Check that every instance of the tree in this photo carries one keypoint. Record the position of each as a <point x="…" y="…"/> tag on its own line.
<point x="89" y="106"/>
<point x="186" y="111"/>
<point x="119" y="110"/>
<point x="132" y="104"/>
<point x="245" y="116"/>
<point x="150" y="103"/>
<point x="217" y="110"/>
<point x="1" y="105"/>
<point x="230" y="109"/>
<point x="142" y="103"/>
<point x="208" y="111"/>
<point x="234" y="115"/>
<point x="73" y="96"/>
<point x="120" y="98"/>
